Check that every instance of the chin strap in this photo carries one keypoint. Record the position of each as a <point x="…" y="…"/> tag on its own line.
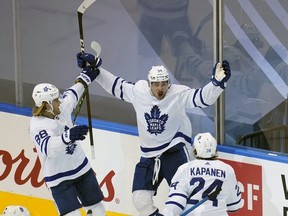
<point x="51" y="111"/>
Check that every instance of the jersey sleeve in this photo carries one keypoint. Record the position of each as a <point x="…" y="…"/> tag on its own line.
<point x="233" y="200"/>
<point x="178" y="193"/>
<point x="210" y="93"/>
<point x="116" y="86"/>
<point x="46" y="141"/>
<point x="53" y="146"/>
<point x="201" y="97"/>
<point x="71" y="96"/>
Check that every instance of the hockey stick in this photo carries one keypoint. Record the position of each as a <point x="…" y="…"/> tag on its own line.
<point x="97" y="48"/>
<point x="80" y="11"/>
<point x="210" y="196"/>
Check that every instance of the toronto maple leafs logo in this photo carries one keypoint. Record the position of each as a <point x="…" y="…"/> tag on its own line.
<point x="155" y="121"/>
<point x="70" y="148"/>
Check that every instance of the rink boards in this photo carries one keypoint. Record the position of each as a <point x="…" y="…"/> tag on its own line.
<point x="263" y="176"/>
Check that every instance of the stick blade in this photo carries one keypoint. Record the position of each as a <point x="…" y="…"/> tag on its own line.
<point x="96" y="47"/>
<point x="85" y="4"/>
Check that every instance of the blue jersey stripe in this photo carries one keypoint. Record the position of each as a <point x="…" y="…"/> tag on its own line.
<point x="178" y="134"/>
<point x="73" y="91"/>
<point x="175" y="203"/>
<point x="67" y="173"/>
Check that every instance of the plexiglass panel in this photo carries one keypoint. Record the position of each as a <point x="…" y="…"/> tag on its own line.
<point x="138" y="34"/>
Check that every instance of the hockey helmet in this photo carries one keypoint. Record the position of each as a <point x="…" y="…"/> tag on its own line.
<point x="205" y="145"/>
<point x="158" y="74"/>
<point x="15" y="211"/>
<point x="44" y="92"/>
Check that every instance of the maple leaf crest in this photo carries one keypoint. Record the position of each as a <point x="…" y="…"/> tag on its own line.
<point x="70" y="148"/>
<point x="155" y="121"/>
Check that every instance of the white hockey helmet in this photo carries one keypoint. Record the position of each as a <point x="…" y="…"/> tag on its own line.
<point x="16" y="211"/>
<point x="158" y="74"/>
<point x="205" y="145"/>
<point x="44" y="92"/>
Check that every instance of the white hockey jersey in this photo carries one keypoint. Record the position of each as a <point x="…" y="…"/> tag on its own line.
<point x="59" y="161"/>
<point x="161" y="123"/>
<point x="194" y="180"/>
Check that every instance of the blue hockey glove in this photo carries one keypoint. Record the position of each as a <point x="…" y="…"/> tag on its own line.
<point x="80" y="62"/>
<point x="88" y="75"/>
<point x="221" y="74"/>
<point x="84" y="59"/>
<point x="74" y="133"/>
<point x="226" y="68"/>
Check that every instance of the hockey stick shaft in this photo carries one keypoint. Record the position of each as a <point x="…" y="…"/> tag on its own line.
<point x="82" y="47"/>
<point x="210" y="196"/>
<point x="97" y="48"/>
<point x="194" y="207"/>
<point x="82" y="8"/>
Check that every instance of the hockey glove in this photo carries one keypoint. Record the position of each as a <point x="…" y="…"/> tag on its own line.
<point x="74" y="133"/>
<point x="86" y="58"/>
<point x="221" y="74"/>
<point x="88" y="75"/>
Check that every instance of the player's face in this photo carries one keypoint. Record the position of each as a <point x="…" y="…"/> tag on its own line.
<point x="56" y="103"/>
<point x="159" y="89"/>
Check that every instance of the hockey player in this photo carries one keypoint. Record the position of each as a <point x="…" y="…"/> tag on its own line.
<point x="66" y="169"/>
<point x="163" y="125"/>
<point x="196" y="179"/>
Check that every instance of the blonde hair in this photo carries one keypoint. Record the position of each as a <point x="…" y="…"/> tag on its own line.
<point x="212" y="158"/>
<point x="39" y="111"/>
